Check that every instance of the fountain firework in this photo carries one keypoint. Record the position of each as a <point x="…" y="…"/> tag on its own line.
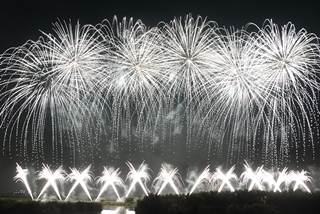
<point x="80" y="178"/>
<point x="250" y="178"/>
<point x="225" y="178"/>
<point x="204" y="177"/>
<point x="51" y="177"/>
<point x="256" y="177"/>
<point x="22" y="176"/>
<point x="300" y="178"/>
<point x="282" y="178"/>
<point x="168" y="175"/>
<point x="110" y="177"/>
<point x="141" y="176"/>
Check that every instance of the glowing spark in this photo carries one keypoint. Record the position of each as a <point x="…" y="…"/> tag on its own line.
<point x="282" y="178"/>
<point x="51" y="178"/>
<point x="80" y="178"/>
<point x="168" y="176"/>
<point x="255" y="177"/>
<point x="141" y="176"/>
<point x="300" y="178"/>
<point x="22" y="176"/>
<point x="110" y="177"/>
<point x="226" y="178"/>
<point x="204" y="177"/>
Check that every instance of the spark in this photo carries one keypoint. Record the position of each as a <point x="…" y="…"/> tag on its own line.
<point x="51" y="177"/>
<point x="255" y="177"/>
<point x="300" y="178"/>
<point x="141" y="176"/>
<point x="110" y="177"/>
<point x="166" y="176"/>
<point x="80" y="178"/>
<point x="226" y="178"/>
<point x="22" y="176"/>
<point x="204" y="177"/>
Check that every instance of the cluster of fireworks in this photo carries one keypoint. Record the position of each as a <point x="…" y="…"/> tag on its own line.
<point x="217" y="181"/>
<point x="234" y="87"/>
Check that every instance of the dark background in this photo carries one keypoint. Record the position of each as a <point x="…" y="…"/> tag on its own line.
<point x="21" y="20"/>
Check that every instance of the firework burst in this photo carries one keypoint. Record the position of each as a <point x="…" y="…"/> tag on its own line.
<point x="291" y="82"/>
<point x="243" y="94"/>
<point x="136" y="71"/>
<point x="54" y="78"/>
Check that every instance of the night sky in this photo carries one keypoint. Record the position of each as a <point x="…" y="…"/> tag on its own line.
<point x="21" y="20"/>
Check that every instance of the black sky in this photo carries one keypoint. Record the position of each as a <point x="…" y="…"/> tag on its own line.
<point x="21" y="20"/>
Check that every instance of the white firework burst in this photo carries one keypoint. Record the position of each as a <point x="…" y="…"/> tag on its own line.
<point x="55" y="77"/>
<point x="137" y="75"/>
<point x="291" y="81"/>
<point x="235" y="90"/>
<point x="234" y="101"/>
<point x="189" y="60"/>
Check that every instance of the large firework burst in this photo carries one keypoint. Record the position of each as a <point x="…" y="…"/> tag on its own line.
<point x="123" y="79"/>
<point x="52" y="79"/>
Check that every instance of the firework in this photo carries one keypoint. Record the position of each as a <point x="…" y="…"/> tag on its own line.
<point x="291" y="82"/>
<point x="189" y="59"/>
<point x="54" y="78"/>
<point x="109" y="177"/>
<point x="141" y="176"/>
<point x="80" y="178"/>
<point x="256" y="177"/>
<point x="282" y="178"/>
<point x="204" y="177"/>
<point x="51" y="177"/>
<point x="167" y="175"/>
<point x="236" y="90"/>
<point x="137" y="76"/>
<point x="300" y="178"/>
<point x="22" y="176"/>
<point x="250" y="179"/>
<point x="225" y="178"/>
